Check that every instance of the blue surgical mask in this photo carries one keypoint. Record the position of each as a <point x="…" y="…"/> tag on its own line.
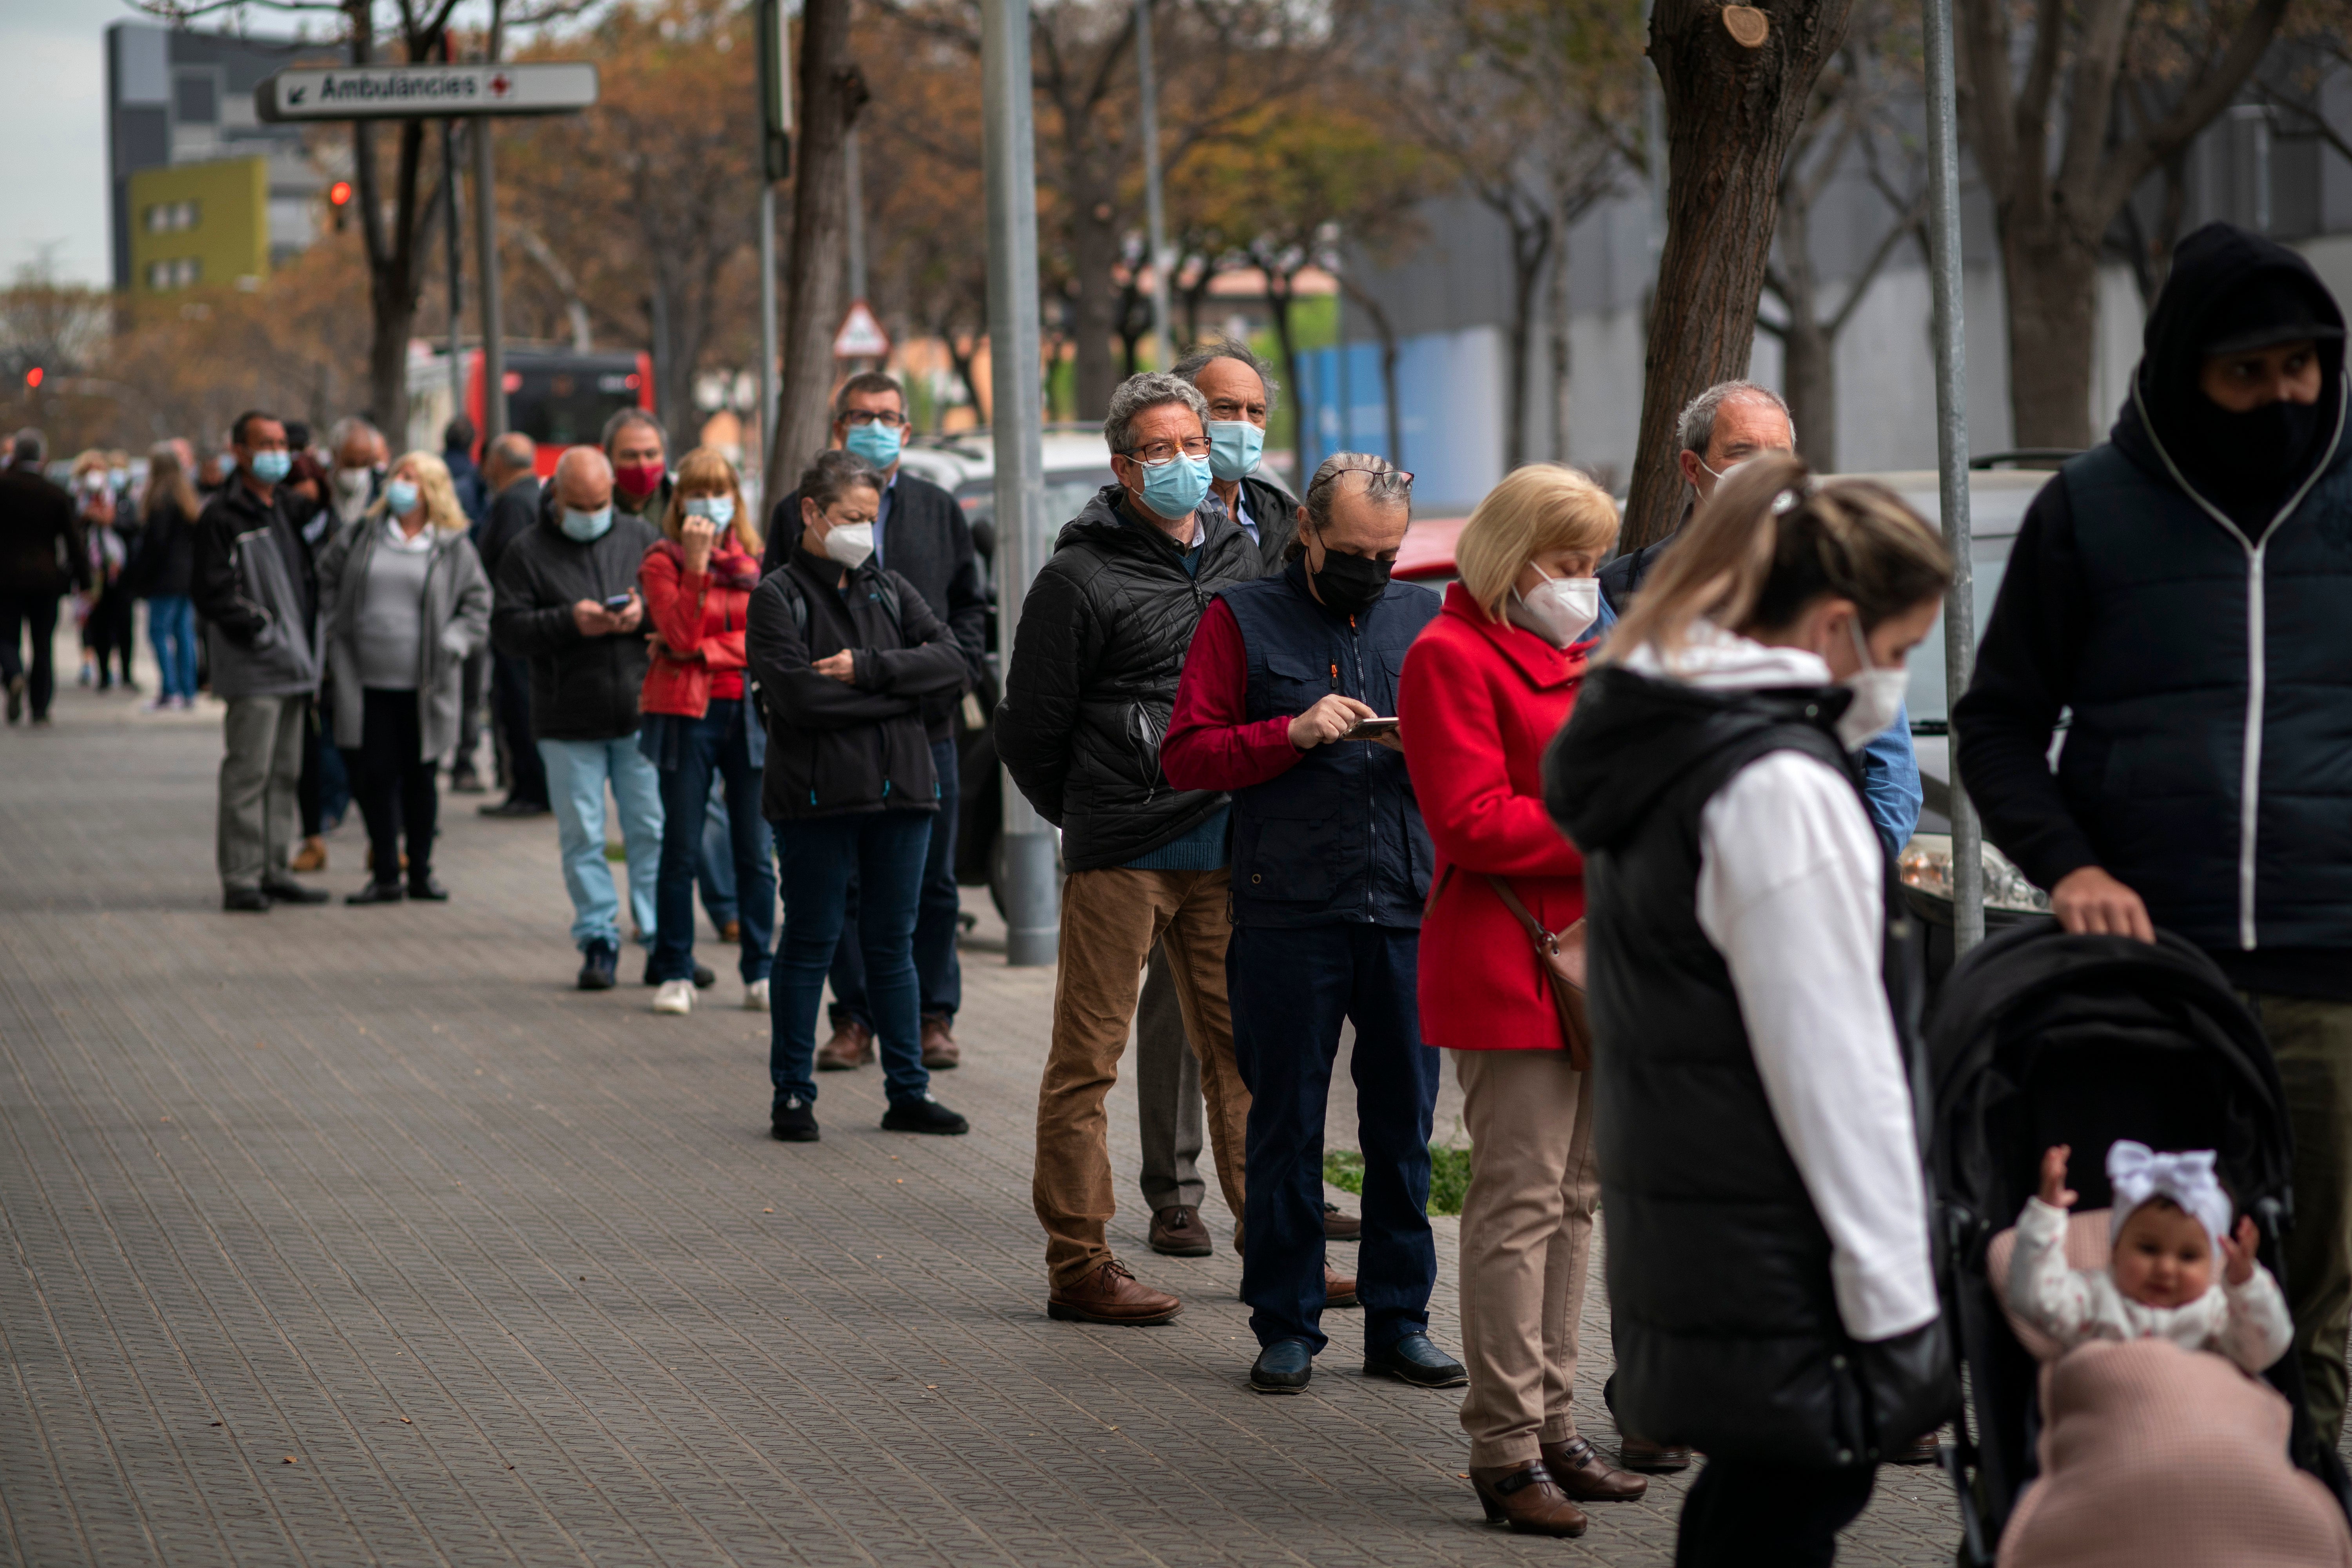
<point x="720" y="509"/>
<point x="400" y="497"/>
<point x="1174" y="488"/>
<point x="1234" y="447"/>
<point x="876" y="444"/>
<point x="587" y="526"/>
<point x="271" y="466"/>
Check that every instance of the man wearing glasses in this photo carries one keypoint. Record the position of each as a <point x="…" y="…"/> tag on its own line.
<point x="1093" y="680"/>
<point x="921" y="534"/>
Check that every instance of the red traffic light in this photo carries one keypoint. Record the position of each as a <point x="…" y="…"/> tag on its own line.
<point x="339" y="193"/>
<point x="33" y="379"/>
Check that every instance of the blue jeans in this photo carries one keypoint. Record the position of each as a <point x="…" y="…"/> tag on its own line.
<point x="714" y="744"/>
<point x="577" y="772"/>
<point x="717" y="875"/>
<point x="172" y="629"/>
<point x="1290" y="989"/>
<point x="819" y="857"/>
<point x="938" y="918"/>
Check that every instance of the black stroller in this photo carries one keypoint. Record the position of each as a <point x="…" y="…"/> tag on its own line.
<point x="2044" y="1038"/>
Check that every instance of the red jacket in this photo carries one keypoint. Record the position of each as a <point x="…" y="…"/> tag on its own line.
<point x="698" y="618"/>
<point x="1480" y="700"/>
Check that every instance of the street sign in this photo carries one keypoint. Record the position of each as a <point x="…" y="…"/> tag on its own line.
<point x="427" y="91"/>
<point x="861" y="336"/>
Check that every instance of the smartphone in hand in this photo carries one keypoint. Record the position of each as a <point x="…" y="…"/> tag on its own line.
<point x="617" y="602"/>
<point x="1371" y="729"/>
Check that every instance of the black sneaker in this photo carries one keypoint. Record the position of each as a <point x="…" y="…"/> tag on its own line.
<point x="376" y="893"/>
<point x="794" y="1120"/>
<point x="924" y="1115"/>
<point x="15" y="698"/>
<point x="427" y="888"/>
<point x="244" y="900"/>
<point x="293" y="892"/>
<point x="599" y="961"/>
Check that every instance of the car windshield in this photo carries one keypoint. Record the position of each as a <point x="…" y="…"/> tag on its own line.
<point x="1997" y="503"/>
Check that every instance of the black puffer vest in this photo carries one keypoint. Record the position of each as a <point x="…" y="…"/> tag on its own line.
<point x="1339" y="837"/>
<point x="1726" y="1320"/>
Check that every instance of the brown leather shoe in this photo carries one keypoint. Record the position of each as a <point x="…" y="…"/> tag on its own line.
<point x="1927" y="1450"/>
<point x="852" y="1046"/>
<point x="1339" y="1291"/>
<point x="1579" y="1470"/>
<point x="1178" y="1231"/>
<point x="940" y="1047"/>
<point x="1337" y="1226"/>
<point x="1111" y="1295"/>
<point x="1526" y="1497"/>
<point x="313" y="856"/>
<point x="731" y="931"/>
<point x="1653" y="1458"/>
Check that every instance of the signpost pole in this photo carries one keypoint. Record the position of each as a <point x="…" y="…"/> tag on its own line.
<point x="1017" y="414"/>
<point x="775" y="163"/>
<point x="1945" y="278"/>
<point x="856" y="182"/>
<point x="485" y="237"/>
<point x="453" y="248"/>
<point x="1155" y="210"/>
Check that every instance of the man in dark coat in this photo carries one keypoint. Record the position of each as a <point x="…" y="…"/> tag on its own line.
<point x="2181" y="588"/>
<point x="1088" y="698"/>
<point x="921" y="534"/>
<point x="508" y="474"/>
<point x="38" y="561"/>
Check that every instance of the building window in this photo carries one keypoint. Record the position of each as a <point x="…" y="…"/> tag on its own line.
<point x="173" y="217"/>
<point x="181" y="272"/>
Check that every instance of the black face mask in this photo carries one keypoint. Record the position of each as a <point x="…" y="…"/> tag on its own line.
<point x="2257" y="456"/>
<point x="1350" y="584"/>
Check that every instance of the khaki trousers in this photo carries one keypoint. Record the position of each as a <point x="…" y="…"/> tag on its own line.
<point x="1110" y="918"/>
<point x="1527" y="1238"/>
<point x="2311" y="1040"/>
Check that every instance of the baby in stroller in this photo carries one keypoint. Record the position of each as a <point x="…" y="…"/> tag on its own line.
<point x="2170" y="1218"/>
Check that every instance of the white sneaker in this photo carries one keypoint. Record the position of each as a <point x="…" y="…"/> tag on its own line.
<point x="674" y="996"/>
<point x="755" y="997"/>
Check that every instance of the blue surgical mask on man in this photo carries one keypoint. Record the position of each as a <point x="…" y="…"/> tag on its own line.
<point x="720" y="510"/>
<point x="400" y="497"/>
<point x="271" y="466"/>
<point x="876" y="444"/>
<point x="587" y="526"/>
<point x="1174" y="489"/>
<point x="1235" y="446"/>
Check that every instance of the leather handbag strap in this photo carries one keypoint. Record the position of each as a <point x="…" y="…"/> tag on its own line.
<point x="1534" y="928"/>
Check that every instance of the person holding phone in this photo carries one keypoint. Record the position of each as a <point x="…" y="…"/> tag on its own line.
<point x="1287" y="683"/>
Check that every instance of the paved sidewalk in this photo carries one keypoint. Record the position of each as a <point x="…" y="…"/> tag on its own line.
<point x="356" y="1236"/>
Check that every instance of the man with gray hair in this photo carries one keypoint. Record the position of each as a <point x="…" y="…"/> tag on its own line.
<point x="1093" y="680"/>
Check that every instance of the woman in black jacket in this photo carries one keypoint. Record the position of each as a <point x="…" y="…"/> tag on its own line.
<point x="845" y="652"/>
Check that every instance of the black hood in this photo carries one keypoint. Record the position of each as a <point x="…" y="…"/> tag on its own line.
<point x="2224" y="277"/>
<point x="1633" y="737"/>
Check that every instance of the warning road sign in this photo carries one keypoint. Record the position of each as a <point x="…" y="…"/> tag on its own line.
<point x="861" y="336"/>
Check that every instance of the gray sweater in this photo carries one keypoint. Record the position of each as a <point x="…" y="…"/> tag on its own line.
<point x="391" y="618"/>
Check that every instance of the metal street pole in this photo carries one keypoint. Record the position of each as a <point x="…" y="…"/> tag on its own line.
<point x="1017" y="420"/>
<point x="775" y="163"/>
<point x="486" y="239"/>
<point x="856" y="182"/>
<point x="768" y="345"/>
<point x="457" y="300"/>
<point x="1945" y="276"/>
<point x="1154" y="211"/>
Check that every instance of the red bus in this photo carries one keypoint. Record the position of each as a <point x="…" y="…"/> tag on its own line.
<point x="561" y="399"/>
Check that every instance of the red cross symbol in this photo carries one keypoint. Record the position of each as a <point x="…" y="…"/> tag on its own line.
<point x="499" y="83"/>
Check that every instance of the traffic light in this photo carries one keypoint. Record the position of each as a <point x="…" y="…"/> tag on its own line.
<point x="33" y="379"/>
<point x="339" y="199"/>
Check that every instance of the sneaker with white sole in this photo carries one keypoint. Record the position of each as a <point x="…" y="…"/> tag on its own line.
<point x="674" y="996"/>
<point x="755" y="997"/>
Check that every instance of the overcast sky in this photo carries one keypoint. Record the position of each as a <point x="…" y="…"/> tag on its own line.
<point x="52" y="123"/>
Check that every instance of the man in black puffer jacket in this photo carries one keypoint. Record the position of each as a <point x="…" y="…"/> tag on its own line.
<point x="2181" y="588"/>
<point x="1102" y="639"/>
<point x="557" y="588"/>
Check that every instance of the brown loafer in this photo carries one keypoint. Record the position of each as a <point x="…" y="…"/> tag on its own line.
<point x="852" y="1046"/>
<point x="1178" y="1231"/>
<point x="1927" y="1450"/>
<point x="940" y="1047"/>
<point x="1111" y="1295"/>
<point x="1339" y="1291"/>
<point x="313" y="855"/>
<point x="1577" y="1468"/>
<point x="1526" y="1497"/>
<point x="1652" y="1458"/>
<point x="1337" y="1226"/>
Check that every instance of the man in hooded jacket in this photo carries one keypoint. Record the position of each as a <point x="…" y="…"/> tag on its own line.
<point x="2182" y="589"/>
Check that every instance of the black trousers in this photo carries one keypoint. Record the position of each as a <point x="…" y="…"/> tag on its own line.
<point x="1742" y="1513"/>
<point x="111" y="632"/>
<point x="510" y="703"/>
<point x="36" y="613"/>
<point x="393" y="783"/>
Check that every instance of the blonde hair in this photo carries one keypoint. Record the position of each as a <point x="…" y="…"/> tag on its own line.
<point x="1534" y="511"/>
<point x="1773" y="539"/>
<point x="440" y="497"/>
<point x="701" y="471"/>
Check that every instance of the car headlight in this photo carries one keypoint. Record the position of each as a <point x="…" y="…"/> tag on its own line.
<point x="1925" y="864"/>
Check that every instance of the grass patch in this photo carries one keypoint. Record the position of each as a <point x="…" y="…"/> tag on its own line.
<point x="1449" y="1176"/>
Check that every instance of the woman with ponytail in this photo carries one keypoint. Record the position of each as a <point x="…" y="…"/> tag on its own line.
<point x="1769" y="1269"/>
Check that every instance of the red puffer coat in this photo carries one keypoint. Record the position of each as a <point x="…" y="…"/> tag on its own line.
<point x="1480" y="700"/>
<point x="698" y="618"/>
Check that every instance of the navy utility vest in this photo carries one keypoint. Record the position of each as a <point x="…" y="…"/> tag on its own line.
<point x="1339" y="837"/>
<point x="2211" y="755"/>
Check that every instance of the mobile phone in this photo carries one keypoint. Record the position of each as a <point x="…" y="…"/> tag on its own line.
<point x="617" y="602"/>
<point x="1371" y="729"/>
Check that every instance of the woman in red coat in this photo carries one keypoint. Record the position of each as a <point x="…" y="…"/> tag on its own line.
<point x="698" y="721"/>
<point x="1485" y="690"/>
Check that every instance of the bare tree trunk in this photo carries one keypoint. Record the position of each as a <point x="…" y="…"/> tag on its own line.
<point x="1561" y="347"/>
<point x="1094" y="315"/>
<point x="2054" y="295"/>
<point x="1278" y="296"/>
<point x="1731" y="113"/>
<point x="832" y="91"/>
<point x="1530" y="247"/>
<point x="1809" y="376"/>
<point x="1387" y="331"/>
